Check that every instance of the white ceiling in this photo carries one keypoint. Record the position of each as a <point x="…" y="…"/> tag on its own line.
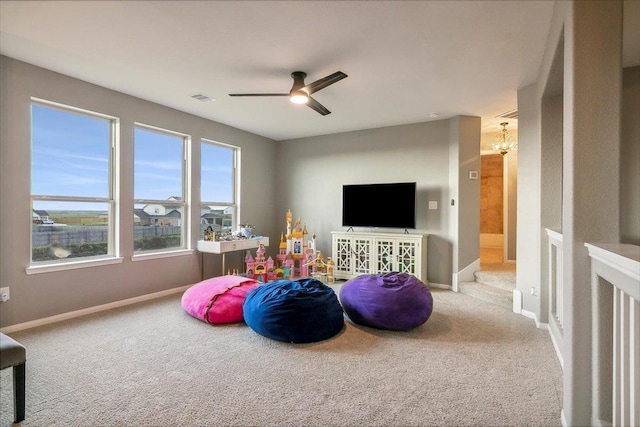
<point x="405" y="60"/>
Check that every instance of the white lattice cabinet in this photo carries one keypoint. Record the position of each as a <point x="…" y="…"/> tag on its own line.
<point x="373" y="253"/>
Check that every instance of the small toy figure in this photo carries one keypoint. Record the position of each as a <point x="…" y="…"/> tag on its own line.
<point x="318" y="267"/>
<point x="209" y="234"/>
<point x="318" y="264"/>
<point x="330" y="266"/>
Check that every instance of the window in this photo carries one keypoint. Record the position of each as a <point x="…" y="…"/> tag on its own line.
<point x="73" y="154"/>
<point x="159" y="189"/>
<point x="218" y="187"/>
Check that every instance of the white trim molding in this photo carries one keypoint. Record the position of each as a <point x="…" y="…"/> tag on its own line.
<point x="465" y="275"/>
<point x="91" y="310"/>
<point x="517" y="301"/>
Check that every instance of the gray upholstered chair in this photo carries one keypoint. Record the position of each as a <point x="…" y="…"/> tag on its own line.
<point x="13" y="354"/>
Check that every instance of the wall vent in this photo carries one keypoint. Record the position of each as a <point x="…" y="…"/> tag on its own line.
<point x="202" y="97"/>
<point x="513" y="114"/>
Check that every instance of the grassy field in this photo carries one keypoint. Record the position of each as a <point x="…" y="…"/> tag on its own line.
<point x="76" y="214"/>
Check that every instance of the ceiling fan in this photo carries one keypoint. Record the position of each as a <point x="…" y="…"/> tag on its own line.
<point x="301" y="93"/>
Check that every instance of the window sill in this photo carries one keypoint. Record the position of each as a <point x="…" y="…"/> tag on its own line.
<point x="167" y="254"/>
<point x="72" y="265"/>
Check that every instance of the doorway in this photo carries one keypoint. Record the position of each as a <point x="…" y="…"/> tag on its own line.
<point x="492" y="209"/>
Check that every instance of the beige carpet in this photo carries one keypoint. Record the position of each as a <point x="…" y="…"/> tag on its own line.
<point x="153" y="365"/>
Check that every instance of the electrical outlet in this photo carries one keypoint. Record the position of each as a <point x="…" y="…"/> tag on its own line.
<point x="533" y="290"/>
<point x="4" y="294"/>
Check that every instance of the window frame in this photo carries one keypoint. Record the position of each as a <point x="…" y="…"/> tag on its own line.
<point x="184" y="203"/>
<point x="112" y="200"/>
<point x="235" y="182"/>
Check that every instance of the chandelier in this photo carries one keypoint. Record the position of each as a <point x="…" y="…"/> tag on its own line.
<point x="504" y="141"/>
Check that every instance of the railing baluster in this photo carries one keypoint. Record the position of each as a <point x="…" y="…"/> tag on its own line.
<point x="559" y="288"/>
<point x="616" y="357"/>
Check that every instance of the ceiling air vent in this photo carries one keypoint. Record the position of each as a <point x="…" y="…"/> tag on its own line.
<point x="513" y="114"/>
<point x="202" y="97"/>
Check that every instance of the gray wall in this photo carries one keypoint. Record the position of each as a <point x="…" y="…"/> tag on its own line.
<point x="630" y="158"/>
<point x="313" y="170"/>
<point x="528" y="273"/>
<point x="512" y="206"/>
<point x="41" y="295"/>
<point x="464" y="226"/>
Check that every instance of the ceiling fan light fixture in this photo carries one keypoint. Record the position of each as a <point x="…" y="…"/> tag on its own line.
<point x="300" y="92"/>
<point x="299" y="97"/>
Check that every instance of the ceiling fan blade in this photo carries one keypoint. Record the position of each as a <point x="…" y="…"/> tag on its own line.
<point x="324" y="82"/>
<point x="258" y="94"/>
<point x="315" y="105"/>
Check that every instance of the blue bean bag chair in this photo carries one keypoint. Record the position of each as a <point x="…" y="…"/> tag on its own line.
<point x="394" y="301"/>
<point x="297" y="311"/>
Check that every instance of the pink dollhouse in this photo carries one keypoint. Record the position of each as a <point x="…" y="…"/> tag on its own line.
<point x="258" y="268"/>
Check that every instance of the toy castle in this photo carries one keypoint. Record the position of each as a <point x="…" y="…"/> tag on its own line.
<point x="296" y="251"/>
<point x="259" y="268"/>
<point x="296" y="257"/>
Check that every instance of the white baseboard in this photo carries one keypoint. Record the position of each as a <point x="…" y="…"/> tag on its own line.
<point x="517" y="301"/>
<point x="465" y="275"/>
<point x="532" y="315"/>
<point x="556" y="347"/>
<point x="90" y="310"/>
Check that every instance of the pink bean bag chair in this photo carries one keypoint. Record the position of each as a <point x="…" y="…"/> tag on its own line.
<point x="219" y="299"/>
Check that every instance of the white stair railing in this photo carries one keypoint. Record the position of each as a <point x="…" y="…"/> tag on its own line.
<point x="556" y="291"/>
<point x="615" y="282"/>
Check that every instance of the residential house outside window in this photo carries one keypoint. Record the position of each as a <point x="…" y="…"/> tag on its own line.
<point x="218" y="187"/>
<point x="73" y="190"/>
<point x="160" y="186"/>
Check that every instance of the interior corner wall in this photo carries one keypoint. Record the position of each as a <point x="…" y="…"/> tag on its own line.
<point x="468" y="191"/>
<point x="37" y="296"/>
<point x="464" y="224"/>
<point x="528" y="273"/>
<point x="630" y="157"/>
<point x="454" y="194"/>
<point x="511" y="207"/>
<point x="311" y="172"/>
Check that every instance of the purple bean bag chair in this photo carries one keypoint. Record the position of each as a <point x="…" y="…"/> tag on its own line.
<point x="219" y="299"/>
<point x="394" y="301"/>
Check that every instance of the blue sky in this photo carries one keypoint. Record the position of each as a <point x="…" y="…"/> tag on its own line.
<point x="70" y="154"/>
<point x="70" y="157"/>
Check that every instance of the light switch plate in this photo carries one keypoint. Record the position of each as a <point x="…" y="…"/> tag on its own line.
<point x="433" y="204"/>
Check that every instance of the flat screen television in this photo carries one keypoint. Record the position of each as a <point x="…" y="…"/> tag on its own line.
<point x="379" y="205"/>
